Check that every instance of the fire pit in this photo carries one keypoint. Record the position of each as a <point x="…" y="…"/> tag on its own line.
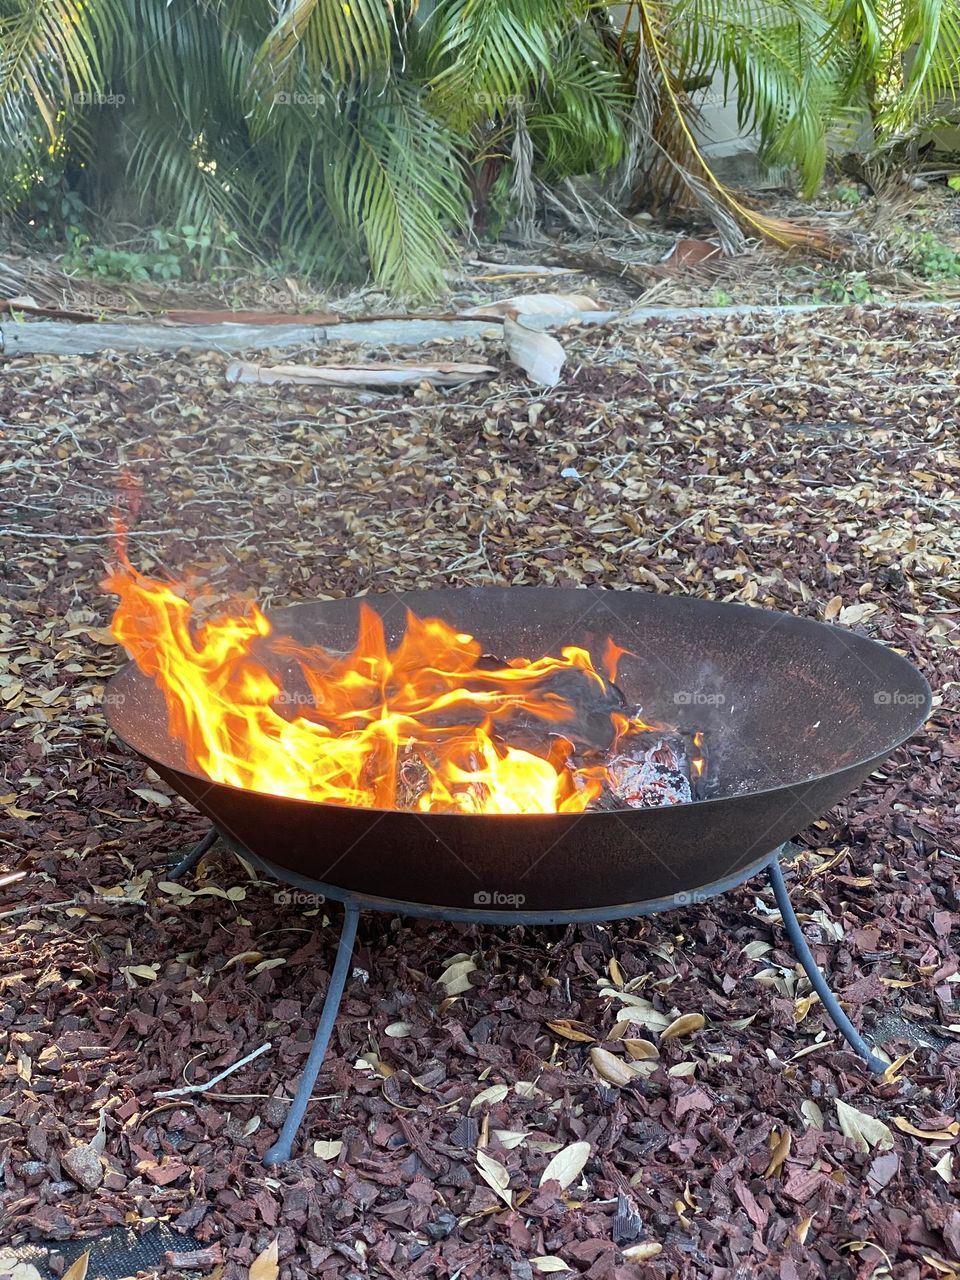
<point x="779" y="718"/>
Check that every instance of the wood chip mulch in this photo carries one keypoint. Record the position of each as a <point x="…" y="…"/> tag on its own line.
<point x="809" y="464"/>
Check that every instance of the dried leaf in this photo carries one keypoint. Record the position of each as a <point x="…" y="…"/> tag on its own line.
<point x="154" y="797"/>
<point x="78" y="1269"/>
<point x="865" y="1130"/>
<point x="928" y="1135"/>
<point x="892" y="1073"/>
<point x="243" y="957"/>
<point x="496" y="1176"/>
<point x="146" y="972"/>
<point x="832" y="608"/>
<point x="683" y="1026"/>
<point x="266" y="1266"/>
<point x="567" y="1165"/>
<point x="397" y="1030"/>
<point x="327" y="1150"/>
<point x="811" y="1113"/>
<point x="640" y="1050"/>
<point x="496" y="1093"/>
<point x="455" y="978"/>
<point x="803" y="1006"/>
<point x="610" y="1068"/>
<point x="853" y="614"/>
<point x="510" y="1138"/>
<point x="570" y="1030"/>
<point x="779" y="1153"/>
<point x="549" y="1263"/>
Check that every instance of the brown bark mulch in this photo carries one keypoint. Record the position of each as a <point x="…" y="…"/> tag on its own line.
<point x="813" y="466"/>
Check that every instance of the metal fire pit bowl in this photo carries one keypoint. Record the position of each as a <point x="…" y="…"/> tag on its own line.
<point x="794" y="713"/>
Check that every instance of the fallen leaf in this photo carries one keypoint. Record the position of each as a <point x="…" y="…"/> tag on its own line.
<point x="78" y="1270"/>
<point x="811" y="1113"/>
<point x="570" y="1031"/>
<point x="510" y="1138"/>
<point x="685" y="1025"/>
<point x="865" y="1130"/>
<point x="495" y="1093"/>
<point x="779" y="1153"/>
<point x="567" y="1165"/>
<point x="929" y="1135"/>
<point x="496" y="1176"/>
<point x="832" y="608"/>
<point x="397" y="1030"/>
<point x="146" y="972"/>
<point x="455" y="978"/>
<point x="610" y="1068"/>
<point x="327" y="1150"/>
<point x="853" y="614"/>
<point x="641" y="1049"/>
<point x="266" y="1266"/>
<point x="944" y="1167"/>
<point x="154" y="797"/>
<point x="892" y="1073"/>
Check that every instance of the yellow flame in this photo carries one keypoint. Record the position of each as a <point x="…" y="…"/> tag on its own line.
<point x="260" y="712"/>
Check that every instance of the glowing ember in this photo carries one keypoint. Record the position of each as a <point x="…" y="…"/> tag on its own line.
<point x="430" y="724"/>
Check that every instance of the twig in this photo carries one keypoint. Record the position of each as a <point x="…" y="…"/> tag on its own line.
<point x="202" y="1088"/>
<point x="71" y="902"/>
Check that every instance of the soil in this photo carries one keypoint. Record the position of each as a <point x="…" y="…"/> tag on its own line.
<point x="674" y="1072"/>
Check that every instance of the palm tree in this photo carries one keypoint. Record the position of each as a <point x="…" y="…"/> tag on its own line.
<point x="355" y="136"/>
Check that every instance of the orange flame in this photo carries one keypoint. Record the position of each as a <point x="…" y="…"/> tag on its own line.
<point x="258" y="711"/>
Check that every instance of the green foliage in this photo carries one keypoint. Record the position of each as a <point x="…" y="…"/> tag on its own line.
<point x="953" y="182"/>
<point x="848" y="287"/>
<point x="933" y="260"/>
<point x="846" y="195"/>
<point x="346" y="138"/>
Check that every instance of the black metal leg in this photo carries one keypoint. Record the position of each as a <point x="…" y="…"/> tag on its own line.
<point x="817" y="980"/>
<point x="282" y="1148"/>
<point x="193" y="857"/>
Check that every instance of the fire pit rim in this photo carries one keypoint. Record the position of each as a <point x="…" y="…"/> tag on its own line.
<point x="910" y="673"/>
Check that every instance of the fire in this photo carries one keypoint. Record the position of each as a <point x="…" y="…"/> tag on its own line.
<point x="258" y="711"/>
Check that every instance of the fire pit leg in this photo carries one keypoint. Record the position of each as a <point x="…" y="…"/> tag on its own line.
<point x="193" y="857"/>
<point x="817" y="980"/>
<point x="281" y="1150"/>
